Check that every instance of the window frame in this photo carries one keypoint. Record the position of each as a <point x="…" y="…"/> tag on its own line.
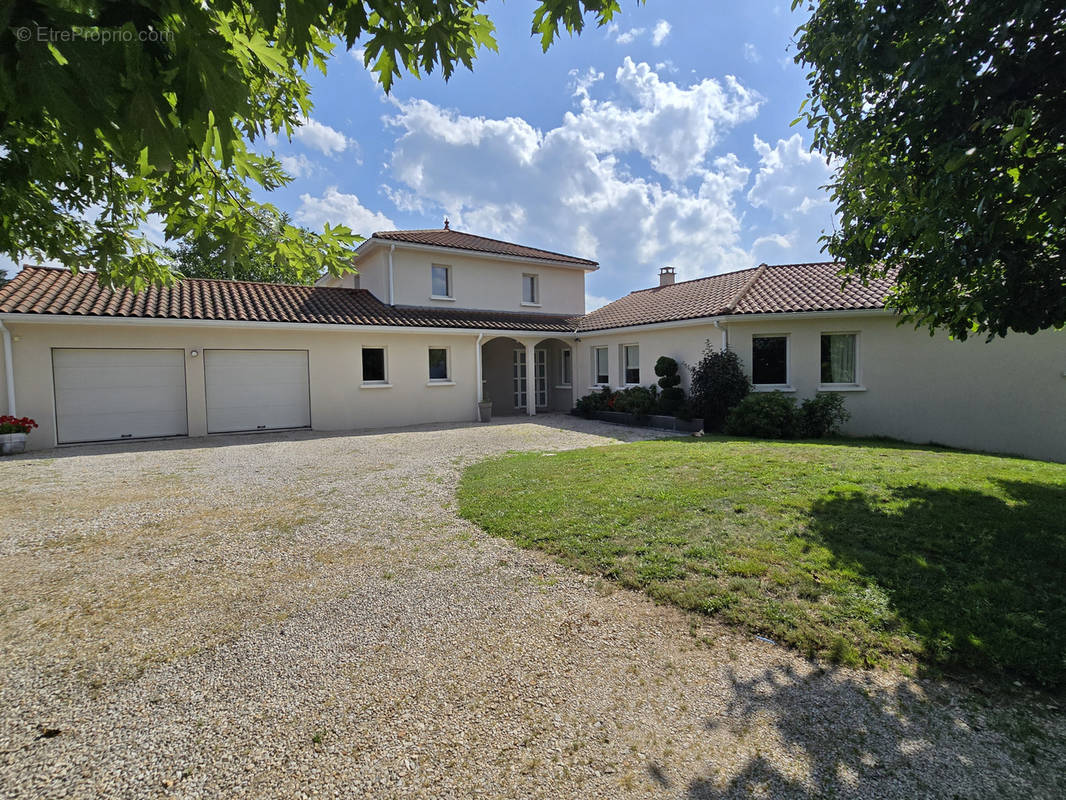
<point x="384" y="381"/>
<point x="773" y="387"/>
<point x="447" y="380"/>
<point x="566" y="365"/>
<point x="535" y="302"/>
<point x="625" y="363"/>
<point x="852" y="386"/>
<point x="595" y="365"/>
<point x="448" y="284"/>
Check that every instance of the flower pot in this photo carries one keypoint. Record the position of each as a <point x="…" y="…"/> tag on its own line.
<point x="484" y="411"/>
<point x="12" y="443"/>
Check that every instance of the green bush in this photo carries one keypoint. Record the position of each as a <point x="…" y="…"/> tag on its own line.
<point x="766" y="415"/>
<point x="590" y="403"/>
<point x="672" y="397"/>
<point x="637" y="400"/>
<point x="822" y="415"/>
<point x="718" y="384"/>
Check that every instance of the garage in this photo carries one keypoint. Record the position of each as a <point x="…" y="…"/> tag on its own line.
<point x="255" y="390"/>
<point x="119" y="393"/>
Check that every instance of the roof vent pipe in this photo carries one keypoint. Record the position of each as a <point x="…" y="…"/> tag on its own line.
<point x="667" y="276"/>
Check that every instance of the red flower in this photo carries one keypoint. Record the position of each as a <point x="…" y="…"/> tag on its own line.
<point x="9" y="424"/>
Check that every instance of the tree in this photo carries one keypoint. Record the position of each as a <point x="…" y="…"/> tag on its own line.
<point x="207" y="257"/>
<point x="115" y="110"/>
<point x="947" y="125"/>
<point x="718" y="384"/>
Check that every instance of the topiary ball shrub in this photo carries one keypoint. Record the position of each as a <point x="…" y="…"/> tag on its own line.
<point x="765" y="415"/>
<point x="672" y="397"/>
<point x="822" y="415"/>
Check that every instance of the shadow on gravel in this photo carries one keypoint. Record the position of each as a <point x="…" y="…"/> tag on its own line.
<point x="835" y="734"/>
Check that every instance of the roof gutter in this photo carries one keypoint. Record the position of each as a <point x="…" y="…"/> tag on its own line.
<point x="9" y="371"/>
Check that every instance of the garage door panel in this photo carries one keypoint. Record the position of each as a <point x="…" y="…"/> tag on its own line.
<point x="119" y="393"/>
<point x="256" y="390"/>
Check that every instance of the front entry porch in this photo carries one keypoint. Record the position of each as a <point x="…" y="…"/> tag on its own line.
<point x="513" y="371"/>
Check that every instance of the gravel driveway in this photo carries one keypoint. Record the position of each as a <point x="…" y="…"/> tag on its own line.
<point x="303" y="615"/>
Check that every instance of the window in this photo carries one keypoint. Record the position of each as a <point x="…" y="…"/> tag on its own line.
<point x="438" y="363"/>
<point x="769" y="360"/>
<point x="530" y="290"/>
<point x="540" y="377"/>
<point x="442" y="281"/>
<point x="374" y="365"/>
<point x="518" y="375"/>
<point x="631" y="363"/>
<point x="599" y="365"/>
<point x="839" y="352"/>
<point x="566" y="368"/>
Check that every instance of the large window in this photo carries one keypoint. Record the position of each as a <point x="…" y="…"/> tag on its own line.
<point x="769" y="360"/>
<point x="599" y="366"/>
<point x="442" y="281"/>
<point x="530" y="290"/>
<point x="631" y="363"/>
<point x="566" y="368"/>
<point x="438" y="363"/>
<point x="374" y="365"/>
<point x="839" y="357"/>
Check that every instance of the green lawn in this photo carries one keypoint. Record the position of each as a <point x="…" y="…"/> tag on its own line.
<point x="867" y="553"/>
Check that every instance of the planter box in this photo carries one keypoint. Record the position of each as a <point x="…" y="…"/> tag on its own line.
<point x="11" y="443"/>
<point x="650" y="421"/>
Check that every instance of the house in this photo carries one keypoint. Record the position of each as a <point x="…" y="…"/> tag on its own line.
<point x="436" y="320"/>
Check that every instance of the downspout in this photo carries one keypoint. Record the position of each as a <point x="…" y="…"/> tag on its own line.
<point x="9" y="371"/>
<point x="391" y="285"/>
<point x="725" y="335"/>
<point x="480" y="385"/>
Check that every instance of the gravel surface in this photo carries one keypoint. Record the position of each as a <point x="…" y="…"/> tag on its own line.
<point x="303" y="615"/>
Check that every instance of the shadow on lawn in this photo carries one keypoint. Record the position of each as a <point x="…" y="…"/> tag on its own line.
<point x="978" y="578"/>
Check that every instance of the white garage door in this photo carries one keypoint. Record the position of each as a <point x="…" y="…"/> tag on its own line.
<point x="119" y="394"/>
<point x="249" y="390"/>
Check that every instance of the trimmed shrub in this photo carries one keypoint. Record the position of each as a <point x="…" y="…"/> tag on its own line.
<point x="636" y="400"/>
<point x="672" y="397"/>
<point x="597" y="401"/>
<point x="822" y="415"/>
<point x="718" y="384"/>
<point x="766" y="415"/>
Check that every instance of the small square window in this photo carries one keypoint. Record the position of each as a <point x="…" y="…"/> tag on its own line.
<point x="530" y="289"/>
<point x="769" y="360"/>
<point x="839" y="353"/>
<point x="566" y="370"/>
<point x="438" y="363"/>
<point x="373" y="365"/>
<point x="442" y="281"/>
<point x="599" y="365"/>
<point x="631" y="362"/>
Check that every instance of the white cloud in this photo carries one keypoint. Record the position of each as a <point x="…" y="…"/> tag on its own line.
<point x="751" y="53"/>
<point x="338" y="208"/>
<point x="627" y="37"/>
<point x="323" y="138"/>
<point x="570" y="188"/>
<point x="594" y="301"/>
<point x="789" y="179"/>
<point x="299" y="166"/>
<point x="660" y="32"/>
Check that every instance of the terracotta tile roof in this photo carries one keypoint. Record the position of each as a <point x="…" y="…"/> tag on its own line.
<point x="46" y="290"/>
<point x="445" y="237"/>
<point x="760" y="290"/>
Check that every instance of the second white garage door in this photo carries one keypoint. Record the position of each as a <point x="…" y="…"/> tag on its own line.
<point x="249" y="390"/>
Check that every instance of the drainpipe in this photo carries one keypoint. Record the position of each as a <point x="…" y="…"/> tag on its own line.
<point x="480" y="385"/>
<point x="391" y="286"/>
<point x="725" y="335"/>
<point x="9" y="371"/>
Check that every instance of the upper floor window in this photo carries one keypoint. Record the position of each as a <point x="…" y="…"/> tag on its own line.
<point x="442" y="281"/>
<point x="599" y="365"/>
<point x="631" y="363"/>
<point x="438" y="364"/>
<point x="374" y="365"/>
<point x="839" y="358"/>
<point x="531" y="289"/>
<point x="769" y="360"/>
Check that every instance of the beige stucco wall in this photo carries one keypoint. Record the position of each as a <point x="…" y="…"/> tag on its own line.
<point x="1008" y="395"/>
<point x="498" y="372"/>
<point x="338" y="402"/>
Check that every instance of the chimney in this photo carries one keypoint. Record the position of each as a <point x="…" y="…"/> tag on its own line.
<point x="667" y="276"/>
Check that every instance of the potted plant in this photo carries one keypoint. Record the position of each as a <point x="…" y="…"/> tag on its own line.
<point x="13" y="432"/>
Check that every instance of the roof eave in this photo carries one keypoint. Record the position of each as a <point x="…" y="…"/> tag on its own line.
<point x="373" y="241"/>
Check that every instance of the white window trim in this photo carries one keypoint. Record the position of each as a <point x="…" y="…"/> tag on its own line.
<point x="595" y="374"/>
<point x="448" y="381"/>
<point x="773" y="387"/>
<point x="857" y="385"/>
<point x="449" y="280"/>
<point x="382" y="384"/>
<point x="623" y="347"/>
<point x="535" y="302"/>
<point x="563" y="383"/>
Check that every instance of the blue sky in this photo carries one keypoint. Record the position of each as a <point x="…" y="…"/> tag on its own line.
<point x="662" y="139"/>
